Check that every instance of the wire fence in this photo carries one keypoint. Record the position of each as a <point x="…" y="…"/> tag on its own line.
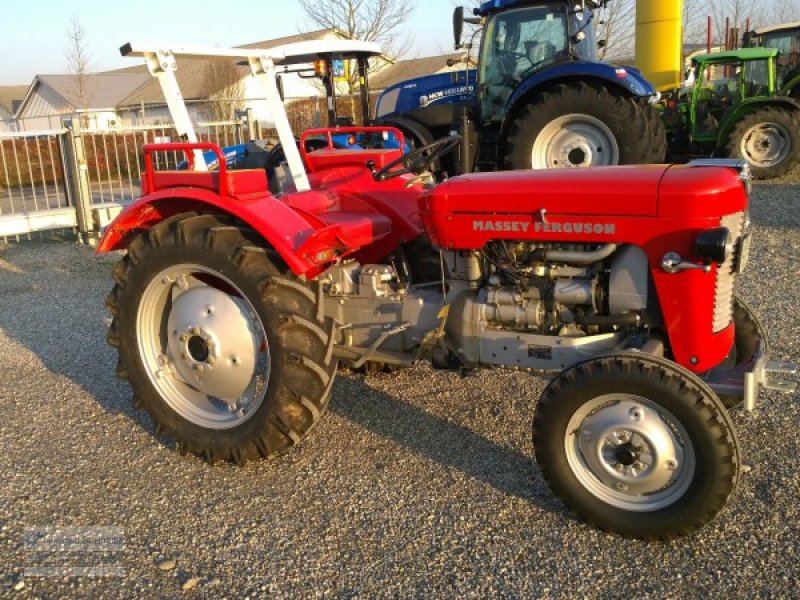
<point x="41" y="171"/>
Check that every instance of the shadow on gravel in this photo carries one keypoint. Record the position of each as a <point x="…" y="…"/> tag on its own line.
<point x="53" y="306"/>
<point x="446" y="443"/>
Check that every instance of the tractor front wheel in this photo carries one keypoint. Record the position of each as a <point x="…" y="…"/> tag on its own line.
<point x="636" y="445"/>
<point x="769" y="140"/>
<point x="582" y="125"/>
<point x="228" y="352"/>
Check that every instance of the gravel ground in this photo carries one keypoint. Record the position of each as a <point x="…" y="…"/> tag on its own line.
<point x="417" y="484"/>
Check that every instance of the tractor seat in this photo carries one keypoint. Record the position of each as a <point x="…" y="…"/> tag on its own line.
<point x="242" y="184"/>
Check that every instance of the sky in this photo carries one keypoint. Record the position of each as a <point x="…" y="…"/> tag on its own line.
<point x="33" y="38"/>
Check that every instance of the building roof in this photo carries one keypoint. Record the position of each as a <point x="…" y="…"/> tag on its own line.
<point x="779" y="27"/>
<point x="103" y="90"/>
<point x="293" y="39"/>
<point x="11" y="96"/>
<point x="403" y="70"/>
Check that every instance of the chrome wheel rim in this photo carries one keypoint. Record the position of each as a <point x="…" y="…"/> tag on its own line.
<point x="630" y="452"/>
<point x="203" y="346"/>
<point x="574" y="141"/>
<point x="766" y="144"/>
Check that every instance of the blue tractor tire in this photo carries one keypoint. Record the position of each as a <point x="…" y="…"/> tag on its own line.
<point x="580" y="124"/>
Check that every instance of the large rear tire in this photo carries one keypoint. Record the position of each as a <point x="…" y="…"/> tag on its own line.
<point x="769" y="140"/>
<point x="636" y="445"/>
<point x="581" y="125"/>
<point x="227" y="352"/>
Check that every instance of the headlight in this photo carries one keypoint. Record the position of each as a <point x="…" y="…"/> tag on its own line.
<point x="714" y="245"/>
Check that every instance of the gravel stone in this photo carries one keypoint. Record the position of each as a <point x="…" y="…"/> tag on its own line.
<point x="190" y="584"/>
<point x="167" y="565"/>
<point x="417" y="484"/>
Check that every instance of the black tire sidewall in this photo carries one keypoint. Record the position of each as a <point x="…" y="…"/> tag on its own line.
<point x="618" y="113"/>
<point x="139" y="278"/>
<point x="550" y="443"/>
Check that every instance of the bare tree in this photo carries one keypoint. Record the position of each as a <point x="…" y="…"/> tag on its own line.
<point x="223" y="85"/>
<point x="695" y="22"/>
<point x="783" y="11"/>
<point x="79" y="66"/>
<point x="736" y="13"/>
<point x="380" y="21"/>
<point x="616" y="29"/>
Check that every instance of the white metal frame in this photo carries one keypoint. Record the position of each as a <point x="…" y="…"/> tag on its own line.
<point x="263" y="64"/>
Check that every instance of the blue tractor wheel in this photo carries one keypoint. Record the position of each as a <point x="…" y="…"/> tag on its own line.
<point x="580" y="124"/>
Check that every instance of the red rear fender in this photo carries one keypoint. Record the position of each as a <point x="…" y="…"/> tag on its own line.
<point x="281" y="226"/>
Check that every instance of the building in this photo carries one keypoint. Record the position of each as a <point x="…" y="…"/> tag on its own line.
<point x="403" y="70"/>
<point x="131" y="97"/>
<point x="91" y="98"/>
<point x="10" y="98"/>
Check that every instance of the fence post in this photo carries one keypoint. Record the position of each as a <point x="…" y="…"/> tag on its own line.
<point x="76" y="171"/>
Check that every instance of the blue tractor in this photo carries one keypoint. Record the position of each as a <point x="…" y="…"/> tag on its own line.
<point x="539" y="97"/>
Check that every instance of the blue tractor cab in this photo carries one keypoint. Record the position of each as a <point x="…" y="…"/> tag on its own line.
<point x="539" y="97"/>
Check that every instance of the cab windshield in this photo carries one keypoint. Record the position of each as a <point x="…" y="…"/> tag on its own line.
<point x="516" y="44"/>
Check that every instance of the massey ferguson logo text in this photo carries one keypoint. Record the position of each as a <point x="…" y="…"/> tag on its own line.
<point x="568" y="227"/>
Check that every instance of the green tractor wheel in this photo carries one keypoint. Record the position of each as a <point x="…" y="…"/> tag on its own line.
<point x="769" y="140"/>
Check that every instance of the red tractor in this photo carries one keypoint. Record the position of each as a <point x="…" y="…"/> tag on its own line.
<point x="233" y="307"/>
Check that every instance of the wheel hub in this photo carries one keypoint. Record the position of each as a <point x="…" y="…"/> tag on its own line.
<point x="212" y="343"/>
<point x="629" y="447"/>
<point x="573" y="141"/>
<point x="766" y="144"/>
<point x="625" y="451"/>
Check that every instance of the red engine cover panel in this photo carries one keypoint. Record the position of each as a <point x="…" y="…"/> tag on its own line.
<point x="661" y="209"/>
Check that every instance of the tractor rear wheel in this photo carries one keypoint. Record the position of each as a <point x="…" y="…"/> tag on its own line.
<point x="228" y="353"/>
<point x="580" y="125"/>
<point x="636" y="445"/>
<point x="769" y="140"/>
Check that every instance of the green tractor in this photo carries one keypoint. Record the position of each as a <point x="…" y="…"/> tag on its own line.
<point x="786" y="39"/>
<point x="734" y="109"/>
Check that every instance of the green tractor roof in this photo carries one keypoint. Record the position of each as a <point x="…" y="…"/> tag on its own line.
<point x="740" y="54"/>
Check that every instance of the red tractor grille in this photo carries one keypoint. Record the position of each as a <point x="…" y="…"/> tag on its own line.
<point x="726" y="274"/>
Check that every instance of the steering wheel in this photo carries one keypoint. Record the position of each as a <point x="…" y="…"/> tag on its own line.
<point x="506" y="61"/>
<point x="418" y="160"/>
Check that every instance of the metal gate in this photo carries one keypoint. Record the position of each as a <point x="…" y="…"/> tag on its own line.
<point x="73" y="179"/>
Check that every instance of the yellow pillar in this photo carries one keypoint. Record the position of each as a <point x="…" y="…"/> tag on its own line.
<point x="659" y="41"/>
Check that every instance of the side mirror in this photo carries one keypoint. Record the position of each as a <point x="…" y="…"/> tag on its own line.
<point x="458" y="25"/>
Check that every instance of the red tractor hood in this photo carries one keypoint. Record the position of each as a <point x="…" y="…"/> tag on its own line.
<point x="513" y="202"/>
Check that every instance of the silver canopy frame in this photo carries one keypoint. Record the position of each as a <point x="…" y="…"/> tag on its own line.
<point x="162" y="64"/>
